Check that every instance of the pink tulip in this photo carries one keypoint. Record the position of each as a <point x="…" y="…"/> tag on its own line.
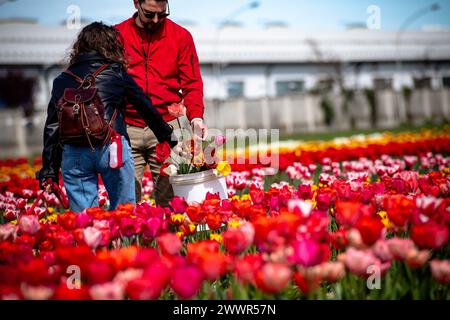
<point x="128" y="227"/>
<point x="440" y="269"/>
<point x="107" y="291"/>
<point x="186" y="281"/>
<point x="416" y="259"/>
<point x="382" y="251"/>
<point x="150" y="228"/>
<point x="101" y="224"/>
<point x="7" y="231"/>
<point x="359" y="261"/>
<point x="306" y="252"/>
<point x="83" y="220"/>
<point x="331" y="271"/>
<point x="354" y="239"/>
<point x="300" y="207"/>
<point x="177" y="110"/>
<point x="399" y="247"/>
<point x="219" y="140"/>
<point x="124" y="277"/>
<point x="169" y="244"/>
<point x="92" y="237"/>
<point x="29" y="224"/>
<point x="273" y="277"/>
<point x="36" y="292"/>
<point x="178" y="205"/>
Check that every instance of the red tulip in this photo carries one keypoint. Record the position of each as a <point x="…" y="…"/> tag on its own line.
<point x="347" y="213"/>
<point x="257" y="196"/>
<point x="68" y="220"/>
<point x="214" y="220"/>
<point x="339" y="239"/>
<point x="399" y="209"/>
<point x="305" y="191"/>
<point x="159" y="273"/>
<point x="10" y="214"/>
<point x="430" y="235"/>
<point x="213" y="265"/>
<point x="370" y="229"/>
<point x="195" y="213"/>
<point x="235" y="241"/>
<point x="246" y="267"/>
<point x="99" y="272"/>
<point x="63" y="292"/>
<point x="306" y="282"/>
<point x="162" y="151"/>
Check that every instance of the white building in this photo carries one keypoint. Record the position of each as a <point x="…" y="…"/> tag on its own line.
<point x="264" y="78"/>
<point x="239" y="62"/>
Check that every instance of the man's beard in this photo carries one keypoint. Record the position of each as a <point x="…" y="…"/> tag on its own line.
<point x="150" y="26"/>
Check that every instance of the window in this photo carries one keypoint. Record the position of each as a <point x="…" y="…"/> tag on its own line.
<point x="446" y="82"/>
<point x="422" y="83"/>
<point x="289" y="87"/>
<point x="235" y="89"/>
<point x="382" y="84"/>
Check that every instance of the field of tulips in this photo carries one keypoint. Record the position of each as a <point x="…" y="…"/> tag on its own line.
<point x="365" y="217"/>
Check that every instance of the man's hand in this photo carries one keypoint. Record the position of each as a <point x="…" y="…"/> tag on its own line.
<point x="199" y="129"/>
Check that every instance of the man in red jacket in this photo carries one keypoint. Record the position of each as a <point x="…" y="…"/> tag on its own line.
<point x="164" y="63"/>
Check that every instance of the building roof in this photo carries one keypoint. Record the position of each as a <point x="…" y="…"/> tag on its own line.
<point x="28" y="44"/>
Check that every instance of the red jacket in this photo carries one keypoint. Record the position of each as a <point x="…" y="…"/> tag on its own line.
<point x="163" y="63"/>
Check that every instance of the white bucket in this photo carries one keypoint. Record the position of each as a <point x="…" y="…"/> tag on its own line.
<point x="193" y="187"/>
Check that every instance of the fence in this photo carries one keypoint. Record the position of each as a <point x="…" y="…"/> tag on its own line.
<point x="291" y="114"/>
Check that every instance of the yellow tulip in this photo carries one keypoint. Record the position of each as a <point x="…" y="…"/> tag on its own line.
<point x="216" y="237"/>
<point x="224" y="168"/>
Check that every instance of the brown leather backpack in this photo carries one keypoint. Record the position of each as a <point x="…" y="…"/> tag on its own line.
<point x="81" y="113"/>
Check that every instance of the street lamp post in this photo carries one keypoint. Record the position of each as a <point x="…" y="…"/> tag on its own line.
<point x="5" y="1"/>
<point x="411" y="19"/>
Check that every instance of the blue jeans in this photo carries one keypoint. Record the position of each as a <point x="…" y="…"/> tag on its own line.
<point x="80" y="168"/>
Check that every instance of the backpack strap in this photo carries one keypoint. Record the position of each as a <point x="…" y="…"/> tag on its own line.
<point x="90" y="78"/>
<point x="70" y="73"/>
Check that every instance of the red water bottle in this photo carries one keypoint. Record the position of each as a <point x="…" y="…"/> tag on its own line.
<point x="115" y="151"/>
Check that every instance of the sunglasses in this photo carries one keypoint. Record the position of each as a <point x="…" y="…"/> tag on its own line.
<point x="151" y="15"/>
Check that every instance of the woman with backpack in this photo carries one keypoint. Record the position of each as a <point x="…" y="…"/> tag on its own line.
<point x="85" y="132"/>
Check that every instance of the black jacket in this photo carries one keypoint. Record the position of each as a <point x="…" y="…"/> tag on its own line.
<point x="115" y="87"/>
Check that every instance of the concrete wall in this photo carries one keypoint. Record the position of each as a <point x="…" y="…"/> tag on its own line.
<point x="290" y="114"/>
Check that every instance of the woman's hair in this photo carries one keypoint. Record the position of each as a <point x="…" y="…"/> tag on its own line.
<point x="100" y="38"/>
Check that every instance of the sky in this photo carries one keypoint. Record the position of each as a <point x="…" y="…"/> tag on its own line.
<point x="300" y="14"/>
